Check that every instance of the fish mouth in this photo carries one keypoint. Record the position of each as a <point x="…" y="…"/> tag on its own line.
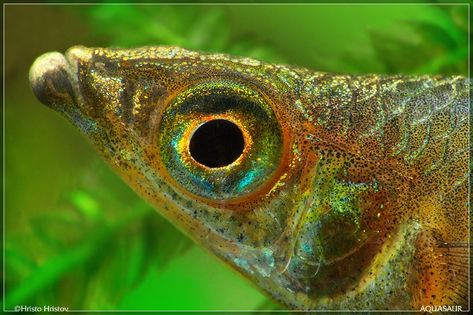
<point x="54" y="81"/>
<point x="53" y="78"/>
<point x="51" y="81"/>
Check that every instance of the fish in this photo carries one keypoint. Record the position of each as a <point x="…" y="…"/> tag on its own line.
<point x="327" y="191"/>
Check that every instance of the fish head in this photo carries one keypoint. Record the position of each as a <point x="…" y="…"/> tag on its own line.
<point x="199" y="136"/>
<point x="251" y="160"/>
<point x="187" y="130"/>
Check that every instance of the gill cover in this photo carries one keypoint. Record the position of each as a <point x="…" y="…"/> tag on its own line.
<point x="327" y="191"/>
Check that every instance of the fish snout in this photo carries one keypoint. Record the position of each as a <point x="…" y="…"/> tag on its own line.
<point x="53" y="77"/>
<point x="51" y="82"/>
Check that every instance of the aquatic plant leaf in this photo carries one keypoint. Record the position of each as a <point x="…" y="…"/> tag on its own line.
<point x="210" y="31"/>
<point x="425" y="48"/>
<point x="58" y="229"/>
<point x="86" y="204"/>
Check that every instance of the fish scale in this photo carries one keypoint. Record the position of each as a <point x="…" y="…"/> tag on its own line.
<point x="350" y="192"/>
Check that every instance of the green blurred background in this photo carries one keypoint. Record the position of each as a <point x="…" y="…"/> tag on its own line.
<point x="76" y="235"/>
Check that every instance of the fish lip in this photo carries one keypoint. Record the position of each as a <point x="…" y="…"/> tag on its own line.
<point x="53" y="78"/>
<point x="50" y="80"/>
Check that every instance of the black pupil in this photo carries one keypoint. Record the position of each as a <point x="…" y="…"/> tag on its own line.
<point x="217" y="143"/>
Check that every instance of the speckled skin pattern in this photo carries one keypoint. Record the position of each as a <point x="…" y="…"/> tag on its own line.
<point x="351" y="191"/>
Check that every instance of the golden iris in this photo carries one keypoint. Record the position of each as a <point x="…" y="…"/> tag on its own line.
<point x="220" y="139"/>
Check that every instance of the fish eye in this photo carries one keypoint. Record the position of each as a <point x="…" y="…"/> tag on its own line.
<point x="220" y="140"/>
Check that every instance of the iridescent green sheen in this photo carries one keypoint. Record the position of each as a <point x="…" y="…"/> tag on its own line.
<point x="228" y="100"/>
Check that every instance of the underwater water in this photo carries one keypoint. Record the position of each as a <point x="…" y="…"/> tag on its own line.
<point x="76" y="235"/>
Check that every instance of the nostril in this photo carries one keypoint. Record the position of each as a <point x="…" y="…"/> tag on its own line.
<point x="50" y="81"/>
